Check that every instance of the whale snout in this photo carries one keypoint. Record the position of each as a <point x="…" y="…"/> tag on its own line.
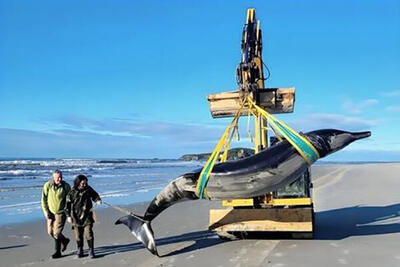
<point x="332" y="140"/>
<point x="361" y="135"/>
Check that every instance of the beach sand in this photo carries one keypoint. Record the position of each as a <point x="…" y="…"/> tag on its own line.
<point x="357" y="224"/>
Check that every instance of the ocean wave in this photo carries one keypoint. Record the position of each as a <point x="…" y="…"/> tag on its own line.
<point x="15" y="188"/>
<point x="115" y="195"/>
<point x="125" y="192"/>
<point x="23" y="174"/>
<point x="66" y="171"/>
<point x="130" y="175"/>
<point x="21" y="180"/>
<point x="17" y="172"/>
<point x="150" y="189"/>
<point x="27" y="210"/>
<point x="19" y="162"/>
<point x="145" y="190"/>
<point x="113" y="161"/>
<point x="33" y="203"/>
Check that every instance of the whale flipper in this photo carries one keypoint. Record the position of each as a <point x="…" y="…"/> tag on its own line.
<point x="141" y="229"/>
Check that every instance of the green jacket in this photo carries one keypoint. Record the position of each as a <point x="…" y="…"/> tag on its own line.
<point x="54" y="197"/>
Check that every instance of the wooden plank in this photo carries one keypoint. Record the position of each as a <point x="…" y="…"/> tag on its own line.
<point x="274" y="100"/>
<point x="266" y="225"/>
<point x="283" y="220"/>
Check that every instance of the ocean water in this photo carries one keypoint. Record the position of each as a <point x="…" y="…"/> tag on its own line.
<point x="118" y="182"/>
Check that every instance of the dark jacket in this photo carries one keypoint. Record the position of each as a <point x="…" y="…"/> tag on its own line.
<point x="79" y="205"/>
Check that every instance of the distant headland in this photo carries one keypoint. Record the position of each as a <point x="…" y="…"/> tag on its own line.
<point x="233" y="154"/>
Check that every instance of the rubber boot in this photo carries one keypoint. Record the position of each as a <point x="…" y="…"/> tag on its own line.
<point x="64" y="242"/>
<point x="91" y="248"/>
<point x="79" y="244"/>
<point x="57" y="246"/>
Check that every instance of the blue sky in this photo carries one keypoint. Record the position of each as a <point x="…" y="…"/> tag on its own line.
<point x="130" y="78"/>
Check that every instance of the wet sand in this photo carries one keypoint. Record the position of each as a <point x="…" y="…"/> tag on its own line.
<point x="357" y="224"/>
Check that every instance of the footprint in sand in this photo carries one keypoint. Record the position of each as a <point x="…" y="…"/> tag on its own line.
<point x="343" y="261"/>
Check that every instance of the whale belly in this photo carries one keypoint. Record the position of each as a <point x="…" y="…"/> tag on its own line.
<point x="255" y="182"/>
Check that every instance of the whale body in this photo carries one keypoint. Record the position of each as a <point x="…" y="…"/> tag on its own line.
<point x="245" y="178"/>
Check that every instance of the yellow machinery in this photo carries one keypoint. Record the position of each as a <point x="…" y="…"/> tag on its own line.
<point x="288" y="209"/>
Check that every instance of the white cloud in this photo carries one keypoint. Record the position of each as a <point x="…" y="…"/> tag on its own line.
<point x="355" y="107"/>
<point x="391" y="93"/>
<point x="168" y="131"/>
<point x="334" y="121"/>
<point x="393" y="108"/>
<point x="69" y="143"/>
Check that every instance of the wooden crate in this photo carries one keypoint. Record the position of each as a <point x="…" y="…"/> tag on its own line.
<point x="274" y="100"/>
<point x="269" y="219"/>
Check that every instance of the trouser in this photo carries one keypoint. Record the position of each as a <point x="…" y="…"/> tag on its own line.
<point x="56" y="225"/>
<point x="81" y="231"/>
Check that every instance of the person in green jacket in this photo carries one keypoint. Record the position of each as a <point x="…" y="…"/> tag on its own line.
<point x="54" y="195"/>
<point x="79" y="212"/>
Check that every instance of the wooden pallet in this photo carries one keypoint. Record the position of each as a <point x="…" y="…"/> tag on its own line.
<point x="273" y="100"/>
<point x="265" y="219"/>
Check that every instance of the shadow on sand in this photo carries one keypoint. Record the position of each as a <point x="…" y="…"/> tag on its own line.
<point x="329" y="225"/>
<point x="346" y="222"/>
<point x="356" y="221"/>
<point x="201" y="239"/>
<point x="16" y="246"/>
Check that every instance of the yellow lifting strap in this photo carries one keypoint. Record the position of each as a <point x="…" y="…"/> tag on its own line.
<point x="280" y="129"/>
<point x="300" y="143"/>
<point x="201" y="191"/>
<point x="207" y="169"/>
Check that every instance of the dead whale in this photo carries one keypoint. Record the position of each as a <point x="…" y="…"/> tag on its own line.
<point x="249" y="177"/>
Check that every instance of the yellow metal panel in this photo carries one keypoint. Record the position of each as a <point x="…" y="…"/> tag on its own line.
<point x="252" y="12"/>
<point x="256" y="133"/>
<point x="291" y="201"/>
<point x="250" y="15"/>
<point x="264" y="133"/>
<point x="238" y="202"/>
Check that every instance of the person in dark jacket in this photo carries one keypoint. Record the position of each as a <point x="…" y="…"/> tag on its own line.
<point x="79" y="212"/>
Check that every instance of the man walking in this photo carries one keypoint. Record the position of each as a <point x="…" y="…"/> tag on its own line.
<point x="53" y="203"/>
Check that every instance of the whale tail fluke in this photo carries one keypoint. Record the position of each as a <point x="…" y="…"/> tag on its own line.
<point x="141" y="229"/>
